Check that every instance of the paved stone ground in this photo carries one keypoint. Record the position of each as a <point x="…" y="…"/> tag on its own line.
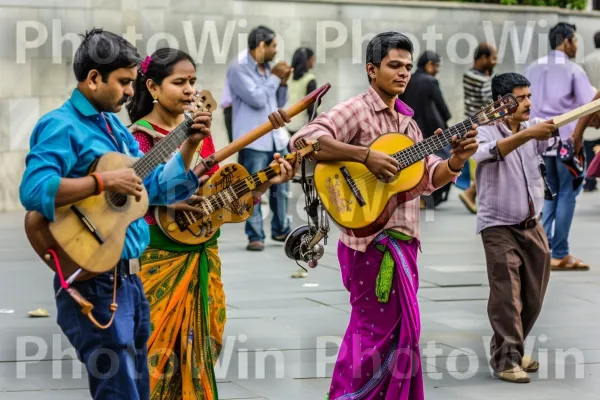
<point x="301" y="320"/>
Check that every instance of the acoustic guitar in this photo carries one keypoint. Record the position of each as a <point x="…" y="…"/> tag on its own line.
<point x="90" y="234"/>
<point x="361" y="203"/>
<point x="227" y="198"/>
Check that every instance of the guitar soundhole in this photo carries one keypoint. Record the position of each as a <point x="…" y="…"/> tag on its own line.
<point x="116" y="200"/>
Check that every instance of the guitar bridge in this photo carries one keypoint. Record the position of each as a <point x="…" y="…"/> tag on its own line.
<point x="88" y="224"/>
<point x="350" y="181"/>
<point x="181" y="220"/>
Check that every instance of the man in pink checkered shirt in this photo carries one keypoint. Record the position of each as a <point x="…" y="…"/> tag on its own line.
<point x="379" y="357"/>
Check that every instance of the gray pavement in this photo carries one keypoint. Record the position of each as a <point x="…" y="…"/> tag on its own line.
<point x="282" y="334"/>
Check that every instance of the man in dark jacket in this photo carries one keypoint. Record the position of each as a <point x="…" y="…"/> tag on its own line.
<point x="424" y="96"/>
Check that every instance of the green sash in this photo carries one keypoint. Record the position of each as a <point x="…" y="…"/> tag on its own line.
<point x="386" y="270"/>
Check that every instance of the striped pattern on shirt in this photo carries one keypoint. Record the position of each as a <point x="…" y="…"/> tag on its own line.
<point x="477" y="91"/>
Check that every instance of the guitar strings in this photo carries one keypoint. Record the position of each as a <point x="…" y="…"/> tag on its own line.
<point x="404" y="155"/>
<point x="235" y="187"/>
<point x="415" y="150"/>
<point x="146" y="164"/>
<point x="240" y="184"/>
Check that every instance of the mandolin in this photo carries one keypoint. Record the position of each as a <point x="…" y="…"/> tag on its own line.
<point x="90" y="234"/>
<point x="361" y="203"/>
<point x="178" y="229"/>
<point x="227" y="198"/>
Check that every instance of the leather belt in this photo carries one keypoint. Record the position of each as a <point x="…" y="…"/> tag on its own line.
<point x="528" y="223"/>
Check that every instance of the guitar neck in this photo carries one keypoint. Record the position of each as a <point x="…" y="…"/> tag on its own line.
<point x="239" y="189"/>
<point x="432" y="144"/>
<point x="163" y="149"/>
<point x="577" y="113"/>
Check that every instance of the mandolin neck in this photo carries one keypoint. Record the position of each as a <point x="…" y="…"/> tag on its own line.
<point x="239" y="189"/>
<point x="432" y="144"/>
<point x="163" y="150"/>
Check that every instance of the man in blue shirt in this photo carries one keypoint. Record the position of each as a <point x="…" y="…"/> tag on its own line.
<point x="257" y="90"/>
<point x="64" y="144"/>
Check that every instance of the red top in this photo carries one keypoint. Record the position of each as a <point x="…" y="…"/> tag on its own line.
<point x="146" y="142"/>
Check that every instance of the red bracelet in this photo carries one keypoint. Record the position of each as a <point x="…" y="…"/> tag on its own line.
<point x="99" y="183"/>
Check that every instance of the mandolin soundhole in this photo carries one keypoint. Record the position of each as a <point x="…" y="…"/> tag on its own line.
<point x="116" y="200"/>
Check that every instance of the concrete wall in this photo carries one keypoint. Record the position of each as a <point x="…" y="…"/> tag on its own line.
<point x="38" y="35"/>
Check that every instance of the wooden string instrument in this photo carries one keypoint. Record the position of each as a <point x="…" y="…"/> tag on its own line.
<point x="183" y="226"/>
<point x="228" y="198"/>
<point x="90" y="234"/>
<point x="361" y="203"/>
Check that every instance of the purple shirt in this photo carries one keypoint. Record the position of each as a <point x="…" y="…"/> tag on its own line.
<point x="504" y="185"/>
<point x="558" y="85"/>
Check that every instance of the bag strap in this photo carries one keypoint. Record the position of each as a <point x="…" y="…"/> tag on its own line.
<point x="146" y="127"/>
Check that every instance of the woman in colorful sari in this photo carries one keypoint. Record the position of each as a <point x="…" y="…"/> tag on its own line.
<point x="182" y="282"/>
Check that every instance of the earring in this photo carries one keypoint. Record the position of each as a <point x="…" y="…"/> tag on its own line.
<point x="155" y="101"/>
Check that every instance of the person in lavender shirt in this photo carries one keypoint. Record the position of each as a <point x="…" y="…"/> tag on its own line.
<point x="558" y="85"/>
<point x="511" y="195"/>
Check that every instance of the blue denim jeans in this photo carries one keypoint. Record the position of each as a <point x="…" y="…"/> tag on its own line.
<point x="558" y="213"/>
<point x="116" y="358"/>
<point x="254" y="161"/>
<point x="588" y="146"/>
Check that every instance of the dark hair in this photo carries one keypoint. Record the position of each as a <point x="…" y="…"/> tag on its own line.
<point x="503" y="84"/>
<point x="482" y="50"/>
<point x="300" y="61"/>
<point x="260" y="34"/>
<point x="105" y="52"/>
<point x="597" y="40"/>
<point x="426" y="57"/>
<point x="379" y="47"/>
<point x="160" y="66"/>
<point x="559" y="33"/>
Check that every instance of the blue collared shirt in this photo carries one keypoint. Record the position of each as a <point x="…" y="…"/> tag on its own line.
<point x="64" y="144"/>
<point x="254" y="96"/>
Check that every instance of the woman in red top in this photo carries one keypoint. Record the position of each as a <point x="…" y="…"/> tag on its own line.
<point x="182" y="282"/>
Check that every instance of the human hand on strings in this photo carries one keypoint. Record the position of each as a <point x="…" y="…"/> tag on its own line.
<point x="193" y="202"/>
<point x="286" y="170"/>
<point x="463" y="148"/>
<point x="123" y="181"/>
<point x="382" y="165"/>
<point x="201" y="127"/>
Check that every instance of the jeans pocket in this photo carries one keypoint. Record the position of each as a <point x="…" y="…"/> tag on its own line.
<point x="100" y="287"/>
<point x="105" y="285"/>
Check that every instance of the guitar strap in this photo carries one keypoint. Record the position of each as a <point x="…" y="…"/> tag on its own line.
<point x="86" y="306"/>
